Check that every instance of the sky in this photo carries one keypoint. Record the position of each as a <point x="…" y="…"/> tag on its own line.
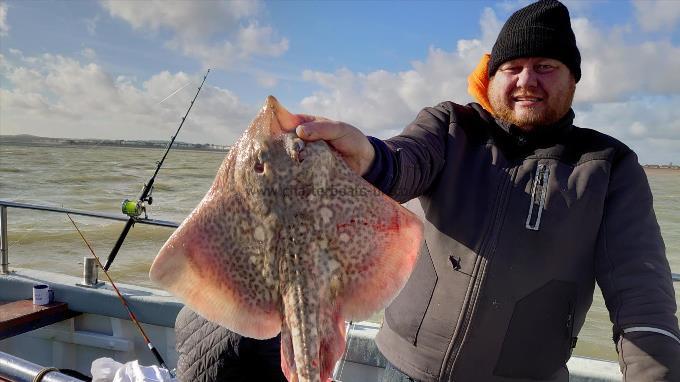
<point x="105" y="69"/>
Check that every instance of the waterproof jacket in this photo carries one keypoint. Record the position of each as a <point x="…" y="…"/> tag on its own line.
<point x="518" y="228"/>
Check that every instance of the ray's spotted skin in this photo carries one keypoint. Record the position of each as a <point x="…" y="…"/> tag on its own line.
<point x="288" y="239"/>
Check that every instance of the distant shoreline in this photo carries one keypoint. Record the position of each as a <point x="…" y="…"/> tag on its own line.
<point x="34" y="141"/>
<point x="655" y="169"/>
<point x="67" y="146"/>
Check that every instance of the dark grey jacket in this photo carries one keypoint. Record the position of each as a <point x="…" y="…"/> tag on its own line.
<point x="211" y="353"/>
<point x="518" y="229"/>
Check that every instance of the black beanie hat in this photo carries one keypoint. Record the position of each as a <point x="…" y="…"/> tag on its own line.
<point x="542" y="29"/>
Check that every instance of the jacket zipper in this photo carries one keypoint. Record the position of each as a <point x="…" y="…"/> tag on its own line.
<point x="487" y="249"/>
<point x="538" y="194"/>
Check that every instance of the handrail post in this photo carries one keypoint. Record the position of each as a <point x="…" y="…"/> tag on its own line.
<point x="4" y="245"/>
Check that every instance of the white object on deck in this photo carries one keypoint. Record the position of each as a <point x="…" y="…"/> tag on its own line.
<point x="107" y="370"/>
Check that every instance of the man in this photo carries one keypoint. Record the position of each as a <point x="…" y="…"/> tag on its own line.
<point x="524" y="212"/>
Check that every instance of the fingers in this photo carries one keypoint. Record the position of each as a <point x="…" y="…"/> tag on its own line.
<point x="304" y="118"/>
<point x="299" y="119"/>
<point x="323" y="130"/>
<point x="346" y="139"/>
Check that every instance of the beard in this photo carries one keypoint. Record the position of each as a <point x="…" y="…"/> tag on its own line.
<point x="553" y="108"/>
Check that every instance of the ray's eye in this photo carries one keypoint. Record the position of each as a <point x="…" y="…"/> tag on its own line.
<point x="259" y="166"/>
<point x="260" y="160"/>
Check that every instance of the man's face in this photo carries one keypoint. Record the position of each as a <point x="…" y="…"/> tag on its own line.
<point x="532" y="91"/>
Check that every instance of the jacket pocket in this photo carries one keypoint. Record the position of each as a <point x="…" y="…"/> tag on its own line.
<point x="538" y="341"/>
<point x="406" y="313"/>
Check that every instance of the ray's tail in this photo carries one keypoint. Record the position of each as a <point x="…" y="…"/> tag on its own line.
<point x="312" y="338"/>
<point x="300" y="341"/>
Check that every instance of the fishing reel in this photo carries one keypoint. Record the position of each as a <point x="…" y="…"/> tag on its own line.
<point x="134" y="208"/>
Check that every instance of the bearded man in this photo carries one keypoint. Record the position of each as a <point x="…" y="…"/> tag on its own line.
<point x="524" y="213"/>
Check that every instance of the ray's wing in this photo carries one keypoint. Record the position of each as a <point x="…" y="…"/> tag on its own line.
<point x="217" y="263"/>
<point x="376" y="242"/>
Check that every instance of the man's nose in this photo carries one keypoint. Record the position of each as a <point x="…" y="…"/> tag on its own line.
<point x="527" y="78"/>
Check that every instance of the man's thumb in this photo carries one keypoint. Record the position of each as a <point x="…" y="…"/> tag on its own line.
<point x="314" y="132"/>
<point x="305" y="132"/>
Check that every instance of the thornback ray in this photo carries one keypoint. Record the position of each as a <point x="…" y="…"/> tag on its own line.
<point x="289" y="239"/>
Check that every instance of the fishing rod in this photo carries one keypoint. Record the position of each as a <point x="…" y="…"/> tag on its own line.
<point x="134" y="209"/>
<point x="132" y="316"/>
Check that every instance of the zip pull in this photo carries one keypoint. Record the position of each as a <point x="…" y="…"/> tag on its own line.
<point x="539" y="190"/>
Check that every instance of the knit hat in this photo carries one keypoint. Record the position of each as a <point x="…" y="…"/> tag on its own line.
<point x="542" y="29"/>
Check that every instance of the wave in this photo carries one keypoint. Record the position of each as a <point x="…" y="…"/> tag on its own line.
<point x="105" y="235"/>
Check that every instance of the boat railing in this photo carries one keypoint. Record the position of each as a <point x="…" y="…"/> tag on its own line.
<point x="18" y="369"/>
<point x="5" y="204"/>
<point x="4" y="244"/>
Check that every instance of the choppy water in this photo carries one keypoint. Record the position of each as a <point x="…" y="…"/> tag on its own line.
<point x="99" y="178"/>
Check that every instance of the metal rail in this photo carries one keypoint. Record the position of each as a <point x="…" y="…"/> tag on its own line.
<point x="102" y="215"/>
<point x="4" y="251"/>
<point x="4" y="204"/>
<point x="19" y="370"/>
<point x="162" y="223"/>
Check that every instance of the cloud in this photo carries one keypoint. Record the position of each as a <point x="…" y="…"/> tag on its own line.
<point x="614" y="69"/>
<point x="190" y="20"/>
<point x="220" y="34"/>
<point x="256" y="40"/>
<point x="89" y="54"/>
<point x="641" y="123"/>
<point x="629" y="89"/>
<point x="4" y="27"/>
<point x="656" y="15"/>
<point x="381" y="101"/>
<point x="53" y="95"/>
<point x="91" y="25"/>
<point x="575" y="6"/>
<point x="266" y="80"/>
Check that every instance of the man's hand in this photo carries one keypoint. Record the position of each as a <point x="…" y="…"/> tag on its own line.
<point x="349" y="141"/>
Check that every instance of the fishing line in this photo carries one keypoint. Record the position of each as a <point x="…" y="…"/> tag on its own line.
<point x="132" y="316"/>
<point x="173" y="93"/>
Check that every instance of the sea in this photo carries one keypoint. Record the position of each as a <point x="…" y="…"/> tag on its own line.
<point x="99" y="178"/>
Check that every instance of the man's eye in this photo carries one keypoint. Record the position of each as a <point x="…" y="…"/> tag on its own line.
<point x="544" y="68"/>
<point x="512" y="69"/>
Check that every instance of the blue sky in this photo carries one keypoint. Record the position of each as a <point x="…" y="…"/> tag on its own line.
<point x="99" y="69"/>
